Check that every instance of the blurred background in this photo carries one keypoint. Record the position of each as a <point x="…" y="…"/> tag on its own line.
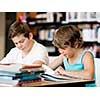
<point x="44" y="24"/>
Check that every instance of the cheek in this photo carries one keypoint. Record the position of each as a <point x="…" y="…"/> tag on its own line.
<point x="68" y="51"/>
<point x="71" y="52"/>
<point x="26" y="43"/>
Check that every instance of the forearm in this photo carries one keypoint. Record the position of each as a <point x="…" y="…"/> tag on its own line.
<point x="38" y="62"/>
<point x="56" y="62"/>
<point x="82" y="74"/>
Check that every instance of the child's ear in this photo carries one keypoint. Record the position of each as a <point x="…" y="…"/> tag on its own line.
<point x="76" y="44"/>
<point x="30" y="35"/>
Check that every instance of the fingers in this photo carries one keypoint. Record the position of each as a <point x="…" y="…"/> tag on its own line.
<point x="59" y="71"/>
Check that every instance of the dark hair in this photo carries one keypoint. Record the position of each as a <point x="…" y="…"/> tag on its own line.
<point x="68" y="35"/>
<point x="18" y="28"/>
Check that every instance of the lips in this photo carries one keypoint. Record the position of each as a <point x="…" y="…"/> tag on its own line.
<point x="21" y="48"/>
<point x="66" y="55"/>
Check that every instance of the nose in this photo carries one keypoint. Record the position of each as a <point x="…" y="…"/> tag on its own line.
<point x="19" y="45"/>
<point x="61" y="50"/>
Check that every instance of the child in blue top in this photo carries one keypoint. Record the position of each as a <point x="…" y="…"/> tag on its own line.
<point x="77" y="62"/>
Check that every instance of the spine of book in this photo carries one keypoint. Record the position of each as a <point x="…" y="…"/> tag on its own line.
<point x="28" y="82"/>
<point x="28" y="77"/>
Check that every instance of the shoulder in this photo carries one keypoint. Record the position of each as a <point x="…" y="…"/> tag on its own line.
<point x="14" y="50"/>
<point x="88" y="56"/>
<point x="39" y="46"/>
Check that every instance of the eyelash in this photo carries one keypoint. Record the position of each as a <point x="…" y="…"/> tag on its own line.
<point x="22" y="41"/>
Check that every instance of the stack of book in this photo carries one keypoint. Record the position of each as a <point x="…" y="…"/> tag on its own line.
<point x="17" y="74"/>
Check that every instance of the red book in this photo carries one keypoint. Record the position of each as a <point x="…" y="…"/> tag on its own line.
<point x="28" y="82"/>
<point x="31" y="66"/>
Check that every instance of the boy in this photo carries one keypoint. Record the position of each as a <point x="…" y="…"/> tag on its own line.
<point x="27" y="50"/>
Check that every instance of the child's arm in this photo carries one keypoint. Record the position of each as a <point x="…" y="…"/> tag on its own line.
<point x="56" y="62"/>
<point x="87" y="73"/>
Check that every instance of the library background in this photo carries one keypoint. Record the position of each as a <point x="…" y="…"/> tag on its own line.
<point x="44" y="24"/>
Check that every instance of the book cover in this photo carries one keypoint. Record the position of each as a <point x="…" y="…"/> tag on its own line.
<point x="11" y="67"/>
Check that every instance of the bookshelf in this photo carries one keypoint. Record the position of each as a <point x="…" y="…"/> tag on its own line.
<point x="44" y="24"/>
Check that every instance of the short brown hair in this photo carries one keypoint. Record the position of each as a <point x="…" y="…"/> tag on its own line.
<point x="18" y="28"/>
<point x="68" y="35"/>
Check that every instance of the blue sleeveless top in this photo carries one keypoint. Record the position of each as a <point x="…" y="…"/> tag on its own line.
<point x="77" y="66"/>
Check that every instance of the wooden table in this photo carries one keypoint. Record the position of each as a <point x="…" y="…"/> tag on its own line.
<point x="67" y="83"/>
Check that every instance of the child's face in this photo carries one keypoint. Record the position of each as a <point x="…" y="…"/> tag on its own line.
<point x="67" y="52"/>
<point x="21" y="42"/>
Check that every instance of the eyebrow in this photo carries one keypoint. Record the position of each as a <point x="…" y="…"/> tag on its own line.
<point x="19" y="41"/>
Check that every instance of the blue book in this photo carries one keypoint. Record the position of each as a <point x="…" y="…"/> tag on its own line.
<point x="9" y="74"/>
<point x="29" y="77"/>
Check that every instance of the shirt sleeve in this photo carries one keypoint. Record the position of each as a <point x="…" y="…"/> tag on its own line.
<point x="41" y="53"/>
<point x="9" y="57"/>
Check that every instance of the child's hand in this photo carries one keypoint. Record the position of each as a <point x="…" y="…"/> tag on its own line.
<point x="59" y="71"/>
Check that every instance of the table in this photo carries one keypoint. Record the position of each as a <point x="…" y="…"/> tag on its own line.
<point x="67" y="83"/>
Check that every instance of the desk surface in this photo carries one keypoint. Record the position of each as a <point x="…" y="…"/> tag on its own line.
<point x="66" y="83"/>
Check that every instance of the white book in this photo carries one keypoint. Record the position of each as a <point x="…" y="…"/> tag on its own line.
<point x="15" y="68"/>
<point x="49" y="75"/>
<point x="7" y="81"/>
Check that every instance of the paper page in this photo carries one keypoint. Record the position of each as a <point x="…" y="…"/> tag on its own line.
<point x="47" y="69"/>
<point x="11" y="68"/>
<point x="7" y="81"/>
<point x="49" y="75"/>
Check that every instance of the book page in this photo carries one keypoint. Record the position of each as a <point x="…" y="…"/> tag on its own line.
<point x="47" y="69"/>
<point x="50" y="75"/>
<point x="15" y="68"/>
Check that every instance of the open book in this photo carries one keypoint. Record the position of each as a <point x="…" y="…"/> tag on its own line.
<point x="49" y="75"/>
